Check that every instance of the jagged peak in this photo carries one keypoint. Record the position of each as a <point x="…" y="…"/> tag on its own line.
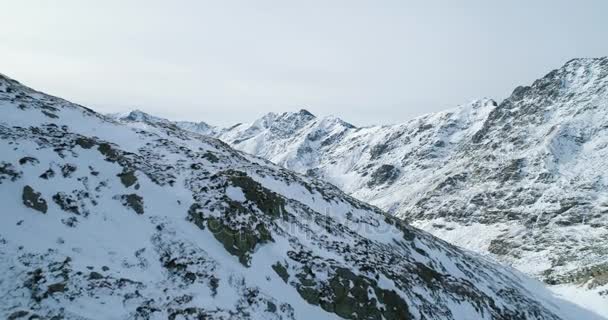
<point x="273" y="119"/>
<point x="306" y="113"/>
<point x="136" y="115"/>
<point x="302" y="113"/>
<point x="579" y="68"/>
<point x="195" y="123"/>
<point x="474" y="104"/>
<point x="198" y="127"/>
<point x="576" y="75"/>
<point x="586" y="61"/>
<point x="335" y="120"/>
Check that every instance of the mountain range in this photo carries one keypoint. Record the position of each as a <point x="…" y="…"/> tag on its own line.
<point x="103" y="220"/>
<point x="523" y="181"/>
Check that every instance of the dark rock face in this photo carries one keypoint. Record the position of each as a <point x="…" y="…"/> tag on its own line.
<point x="48" y="174"/>
<point x="85" y="143"/>
<point x="68" y="169"/>
<point x="211" y="157"/>
<point x="378" y="150"/>
<point x="28" y="160"/>
<point x="348" y="296"/>
<point x="21" y="314"/>
<point x="281" y="271"/>
<point x="9" y="172"/>
<point x="127" y="178"/>
<point x="243" y="239"/>
<point x="513" y="171"/>
<point x="267" y="201"/>
<point x="133" y="201"/>
<point x="55" y="288"/>
<point x="34" y="200"/>
<point x="66" y="202"/>
<point x="239" y="242"/>
<point x="107" y="150"/>
<point x="385" y="174"/>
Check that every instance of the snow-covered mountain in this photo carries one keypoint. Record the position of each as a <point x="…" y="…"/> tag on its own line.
<point x="101" y="220"/>
<point x="138" y="116"/>
<point x="524" y="180"/>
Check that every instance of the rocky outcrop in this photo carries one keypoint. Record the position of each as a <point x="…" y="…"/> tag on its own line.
<point x="33" y="199"/>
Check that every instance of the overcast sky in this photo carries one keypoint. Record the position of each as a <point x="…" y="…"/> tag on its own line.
<point x="223" y="62"/>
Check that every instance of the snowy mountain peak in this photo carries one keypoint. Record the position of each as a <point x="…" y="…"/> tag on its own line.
<point x="576" y="76"/>
<point x="287" y="120"/>
<point x="138" y="115"/>
<point x="586" y="63"/>
<point x="305" y="112"/>
<point x="199" y="127"/>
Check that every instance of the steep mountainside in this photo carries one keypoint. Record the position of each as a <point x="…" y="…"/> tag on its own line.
<point x="106" y="221"/>
<point x="524" y="180"/>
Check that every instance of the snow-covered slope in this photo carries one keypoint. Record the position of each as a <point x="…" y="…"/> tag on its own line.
<point x="524" y="180"/>
<point x="106" y="221"/>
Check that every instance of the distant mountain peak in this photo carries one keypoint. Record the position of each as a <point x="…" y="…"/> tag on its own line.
<point x="587" y="61"/>
<point x="305" y="112"/>
<point x="300" y="115"/>
<point x="135" y="115"/>
<point x="138" y="115"/>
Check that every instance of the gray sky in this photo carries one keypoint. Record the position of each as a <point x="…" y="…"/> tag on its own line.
<point x="224" y="62"/>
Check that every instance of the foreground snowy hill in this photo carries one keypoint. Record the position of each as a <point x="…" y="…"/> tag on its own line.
<point x="524" y="180"/>
<point x="106" y="221"/>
